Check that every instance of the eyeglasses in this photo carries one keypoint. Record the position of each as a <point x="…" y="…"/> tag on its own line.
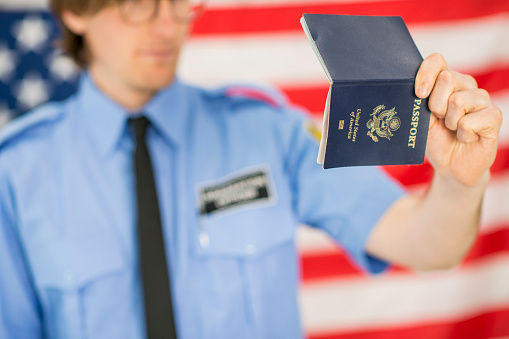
<point x="141" y="11"/>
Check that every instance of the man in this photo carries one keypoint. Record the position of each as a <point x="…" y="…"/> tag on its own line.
<point x="230" y="195"/>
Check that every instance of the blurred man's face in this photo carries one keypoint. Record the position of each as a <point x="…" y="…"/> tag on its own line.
<point x="140" y="57"/>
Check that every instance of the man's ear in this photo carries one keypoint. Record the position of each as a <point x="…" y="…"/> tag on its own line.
<point x="77" y="23"/>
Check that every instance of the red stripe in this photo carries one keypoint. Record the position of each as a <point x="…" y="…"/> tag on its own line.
<point x="494" y="80"/>
<point x="326" y="265"/>
<point x="410" y="175"/>
<point x="486" y="325"/>
<point x="501" y="163"/>
<point x="336" y="264"/>
<point x="239" y="20"/>
<point x="489" y="243"/>
<point x="313" y="98"/>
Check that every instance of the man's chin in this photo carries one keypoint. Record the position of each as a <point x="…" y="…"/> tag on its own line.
<point x="157" y="82"/>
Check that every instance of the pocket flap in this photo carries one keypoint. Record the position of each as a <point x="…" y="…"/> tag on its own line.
<point x="246" y="233"/>
<point x="72" y="263"/>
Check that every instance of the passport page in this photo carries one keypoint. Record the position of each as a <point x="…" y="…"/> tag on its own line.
<point x="372" y="116"/>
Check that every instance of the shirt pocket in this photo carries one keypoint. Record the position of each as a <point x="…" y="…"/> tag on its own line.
<point x="63" y="269"/>
<point x="242" y="256"/>
<point x="245" y="233"/>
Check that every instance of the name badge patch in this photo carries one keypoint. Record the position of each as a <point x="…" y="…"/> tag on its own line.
<point x="239" y="190"/>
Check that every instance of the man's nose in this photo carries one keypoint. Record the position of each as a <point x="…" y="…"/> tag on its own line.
<point x="165" y="23"/>
<point x="165" y="11"/>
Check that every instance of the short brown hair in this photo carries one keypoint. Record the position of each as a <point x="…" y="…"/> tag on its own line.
<point x="72" y="44"/>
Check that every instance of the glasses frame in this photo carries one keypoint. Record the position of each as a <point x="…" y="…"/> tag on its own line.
<point x="195" y="13"/>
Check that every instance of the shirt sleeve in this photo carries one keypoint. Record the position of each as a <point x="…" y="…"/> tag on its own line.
<point x="19" y="312"/>
<point x="344" y="202"/>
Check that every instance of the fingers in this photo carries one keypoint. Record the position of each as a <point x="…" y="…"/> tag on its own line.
<point x="484" y="123"/>
<point x="428" y="72"/>
<point x="435" y="80"/>
<point x="459" y="104"/>
<point x="455" y="98"/>
<point x="446" y="84"/>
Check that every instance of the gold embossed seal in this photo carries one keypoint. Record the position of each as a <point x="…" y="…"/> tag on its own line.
<point x="383" y="124"/>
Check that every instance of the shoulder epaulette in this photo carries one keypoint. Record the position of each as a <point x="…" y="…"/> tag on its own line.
<point x="264" y="95"/>
<point x="14" y="128"/>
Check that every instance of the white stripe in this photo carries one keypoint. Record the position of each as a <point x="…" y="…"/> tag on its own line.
<point x="358" y="304"/>
<point x="501" y="99"/>
<point x="288" y="59"/>
<point x="468" y="45"/>
<point x="310" y="240"/>
<point x="495" y="215"/>
<point x="277" y="59"/>
<point x="495" y="212"/>
<point x="23" y="4"/>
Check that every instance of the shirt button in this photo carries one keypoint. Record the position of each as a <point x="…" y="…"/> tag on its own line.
<point x="69" y="277"/>
<point x="204" y="239"/>
<point x="250" y="249"/>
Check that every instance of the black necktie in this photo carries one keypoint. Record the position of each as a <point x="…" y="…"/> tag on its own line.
<point x="154" y="271"/>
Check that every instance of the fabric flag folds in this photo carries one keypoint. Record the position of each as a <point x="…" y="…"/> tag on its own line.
<point x="261" y="41"/>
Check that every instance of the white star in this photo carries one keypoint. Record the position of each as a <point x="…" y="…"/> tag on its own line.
<point x="31" y="32"/>
<point x="62" y="67"/>
<point x="31" y="91"/>
<point x="5" y="115"/>
<point x="7" y="63"/>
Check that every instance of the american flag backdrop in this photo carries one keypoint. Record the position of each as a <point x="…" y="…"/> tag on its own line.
<point x="261" y="41"/>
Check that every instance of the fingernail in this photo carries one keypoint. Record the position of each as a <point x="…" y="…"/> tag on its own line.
<point x="423" y="90"/>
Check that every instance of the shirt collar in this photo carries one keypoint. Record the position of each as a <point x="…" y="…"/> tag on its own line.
<point x="106" y="120"/>
<point x="168" y="111"/>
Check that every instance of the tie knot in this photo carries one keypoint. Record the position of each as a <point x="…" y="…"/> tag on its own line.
<point x="139" y="125"/>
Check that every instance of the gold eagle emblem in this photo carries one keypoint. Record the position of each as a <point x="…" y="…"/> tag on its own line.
<point x="383" y="124"/>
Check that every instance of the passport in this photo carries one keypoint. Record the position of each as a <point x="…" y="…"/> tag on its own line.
<point x="372" y="116"/>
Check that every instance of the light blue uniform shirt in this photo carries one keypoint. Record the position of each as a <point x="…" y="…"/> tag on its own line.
<point x="68" y="256"/>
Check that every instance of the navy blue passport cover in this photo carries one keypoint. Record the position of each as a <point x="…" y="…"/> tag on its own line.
<point x="372" y="116"/>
